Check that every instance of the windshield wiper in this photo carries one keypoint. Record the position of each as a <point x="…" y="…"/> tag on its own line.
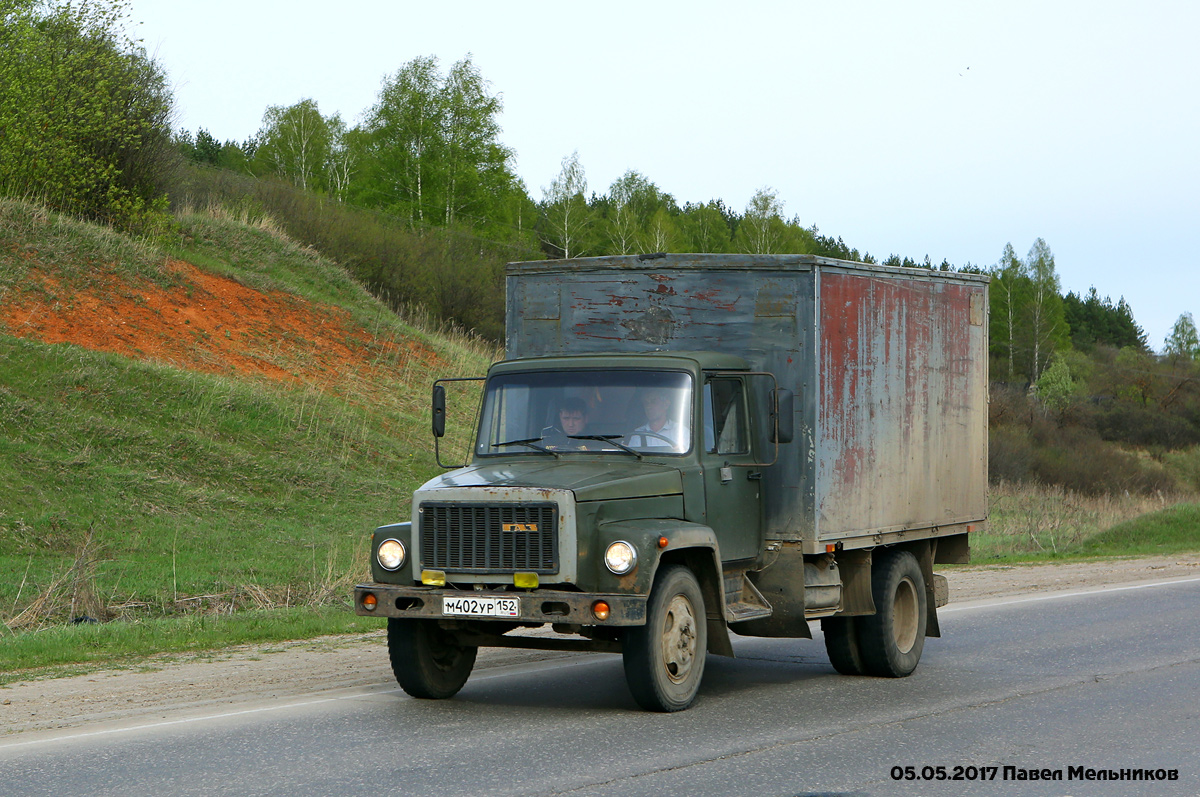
<point x="528" y="443"/>
<point x="606" y="438"/>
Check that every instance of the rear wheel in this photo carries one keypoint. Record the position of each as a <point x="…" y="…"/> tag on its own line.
<point x="841" y="643"/>
<point x="664" y="659"/>
<point x="428" y="660"/>
<point x="891" y="640"/>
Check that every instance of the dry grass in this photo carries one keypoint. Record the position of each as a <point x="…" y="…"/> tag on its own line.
<point x="70" y="596"/>
<point x="73" y="596"/>
<point x="1034" y="520"/>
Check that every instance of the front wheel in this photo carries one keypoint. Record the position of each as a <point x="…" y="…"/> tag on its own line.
<point x="891" y="640"/>
<point x="427" y="660"/>
<point x="664" y="659"/>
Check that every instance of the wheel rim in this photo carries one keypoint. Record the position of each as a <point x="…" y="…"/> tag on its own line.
<point x="905" y="619"/>
<point x="679" y="639"/>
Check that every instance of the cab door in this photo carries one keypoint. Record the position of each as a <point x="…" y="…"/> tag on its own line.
<point x="732" y="484"/>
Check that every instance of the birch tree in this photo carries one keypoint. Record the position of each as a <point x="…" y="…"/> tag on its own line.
<point x="475" y="163"/>
<point x="708" y="227"/>
<point x="296" y="142"/>
<point x="340" y="160"/>
<point x="430" y="148"/>
<point x="402" y="137"/>
<point x="1046" y="326"/>
<point x="1009" y="286"/>
<point x="565" y="206"/>
<point x="623" y="220"/>
<point x="762" y="221"/>
<point x="1183" y="343"/>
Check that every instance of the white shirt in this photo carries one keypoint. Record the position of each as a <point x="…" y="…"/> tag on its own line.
<point x="678" y="436"/>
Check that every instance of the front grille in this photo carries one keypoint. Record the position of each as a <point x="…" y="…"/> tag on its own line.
<point x="489" y="538"/>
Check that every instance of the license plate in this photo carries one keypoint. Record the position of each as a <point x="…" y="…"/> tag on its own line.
<point x="481" y="607"/>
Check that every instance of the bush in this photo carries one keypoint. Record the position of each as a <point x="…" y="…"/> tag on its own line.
<point x="1186" y="466"/>
<point x="1010" y="455"/>
<point x="1146" y="426"/>
<point x="84" y="114"/>
<point x="457" y="277"/>
<point x="1078" y="460"/>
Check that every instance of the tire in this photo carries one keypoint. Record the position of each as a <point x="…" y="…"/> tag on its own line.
<point x="427" y="660"/>
<point x="841" y="643"/>
<point x="664" y="659"/>
<point x="891" y="640"/>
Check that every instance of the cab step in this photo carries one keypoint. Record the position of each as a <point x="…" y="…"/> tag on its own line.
<point x="743" y="601"/>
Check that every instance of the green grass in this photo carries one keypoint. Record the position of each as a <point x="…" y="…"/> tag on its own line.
<point x="154" y="484"/>
<point x="1170" y="531"/>
<point x="72" y="649"/>
<point x="194" y="511"/>
<point x="75" y="252"/>
<point x="1030" y="523"/>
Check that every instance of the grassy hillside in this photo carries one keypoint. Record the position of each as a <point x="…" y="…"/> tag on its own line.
<point x="209" y="427"/>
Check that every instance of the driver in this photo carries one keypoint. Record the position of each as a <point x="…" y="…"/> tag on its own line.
<point x="572" y="422"/>
<point x="659" y="430"/>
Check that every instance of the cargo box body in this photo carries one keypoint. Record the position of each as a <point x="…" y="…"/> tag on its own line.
<point x="888" y="367"/>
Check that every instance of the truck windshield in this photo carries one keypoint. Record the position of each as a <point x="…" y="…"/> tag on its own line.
<point x="611" y="412"/>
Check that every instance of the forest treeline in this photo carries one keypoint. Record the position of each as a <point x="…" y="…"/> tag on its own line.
<point x="420" y="200"/>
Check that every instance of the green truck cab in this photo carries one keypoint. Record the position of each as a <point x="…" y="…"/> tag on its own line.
<point x="691" y="445"/>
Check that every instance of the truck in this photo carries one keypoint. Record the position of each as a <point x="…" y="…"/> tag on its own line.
<point x="679" y="446"/>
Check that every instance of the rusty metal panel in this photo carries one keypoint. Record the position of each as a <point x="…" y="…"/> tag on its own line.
<point x="759" y="308"/>
<point x="902" y="420"/>
<point x="888" y="366"/>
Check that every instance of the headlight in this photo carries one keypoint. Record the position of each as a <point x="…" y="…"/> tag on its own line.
<point x="390" y="554"/>
<point x="620" y="558"/>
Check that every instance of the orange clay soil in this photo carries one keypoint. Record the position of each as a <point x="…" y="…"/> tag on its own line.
<point x="206" y="323"/>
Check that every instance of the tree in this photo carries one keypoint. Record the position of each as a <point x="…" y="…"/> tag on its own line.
<point x="401" y="139"/>
<point x="660" y="232"/>
<point x="429" y="148"/>
<point x="340" y="160"/>
<point x="623" y="222"/>
<point x="475" y="165"/>
<point x="1046" y="328"/>
<point x="707" y="228"/>
<point x="1010" y="285"/>
<point x="1094" y="321"/>
<point x="565" y="207"/>
<point x="1055" y="386"/>
<point x="84" y="113"/>
<point x="1183" y="343"/>
<point x="296" y="142"/>
<point x="762" y="222"/>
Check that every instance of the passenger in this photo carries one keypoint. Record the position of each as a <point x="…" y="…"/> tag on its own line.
<point x="659" y="430"/>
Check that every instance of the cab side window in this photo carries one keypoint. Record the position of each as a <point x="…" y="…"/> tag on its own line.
<point x="725" y="417"/>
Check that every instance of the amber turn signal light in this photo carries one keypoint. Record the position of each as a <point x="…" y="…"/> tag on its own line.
<point x="369" y="601"/>
<point x="662" y="542"/>
<point x="600" y="610"/>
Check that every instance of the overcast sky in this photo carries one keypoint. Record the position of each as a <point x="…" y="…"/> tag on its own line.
<point x="939" y="128"/>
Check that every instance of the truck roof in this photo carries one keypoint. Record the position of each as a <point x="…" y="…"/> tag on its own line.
<point x="727" y="262"/>
<point x="706" y="360"/>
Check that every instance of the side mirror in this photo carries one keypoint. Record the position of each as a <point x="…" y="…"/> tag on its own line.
<point x="439" y="411"/>
<point x="782" y="416"/>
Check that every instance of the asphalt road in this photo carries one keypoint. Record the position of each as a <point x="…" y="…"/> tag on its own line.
<point x="1101" y="680"/>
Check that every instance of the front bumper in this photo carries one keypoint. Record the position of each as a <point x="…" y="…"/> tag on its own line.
<point x="537" y="606"/>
